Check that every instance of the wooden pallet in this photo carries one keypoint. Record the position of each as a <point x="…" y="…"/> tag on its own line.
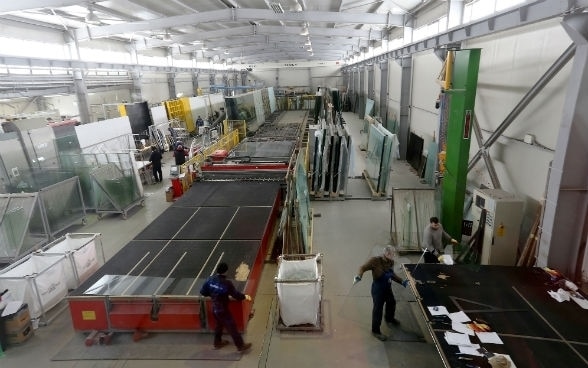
<point x="375" y="193"/>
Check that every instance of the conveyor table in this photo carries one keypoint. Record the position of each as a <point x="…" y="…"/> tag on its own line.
<point x="153" y="282"/>
<point x="537" y="331"/>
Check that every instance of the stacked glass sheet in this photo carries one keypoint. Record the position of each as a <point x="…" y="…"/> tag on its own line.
<point x="382" y="150"/>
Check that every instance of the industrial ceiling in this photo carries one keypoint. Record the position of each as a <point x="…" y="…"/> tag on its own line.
<point x="232" y="31"/>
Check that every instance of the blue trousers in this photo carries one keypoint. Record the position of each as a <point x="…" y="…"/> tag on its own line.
<point x="384" y="303"/>
<point x="224" y="319"/>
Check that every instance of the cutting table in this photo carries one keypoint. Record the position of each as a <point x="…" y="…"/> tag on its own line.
<point x="153" y="282"/>
<point x="537" y="330"/>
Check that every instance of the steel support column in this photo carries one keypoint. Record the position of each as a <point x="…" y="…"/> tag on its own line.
<point x="405" y="93"/>
<point x="171" y="85"/>
<point x="82" y="96"/>
<point x="563" y="236"/>
<point x="371" y="82"/>
<point x="195" y="83"/>
<point x="361" y="92"/>
<point x="136" y="94"/>
<point x="384" y="94"/>
<point x="461" y="114"/>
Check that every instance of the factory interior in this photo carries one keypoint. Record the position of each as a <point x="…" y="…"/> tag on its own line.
<point x="304" y="144"/>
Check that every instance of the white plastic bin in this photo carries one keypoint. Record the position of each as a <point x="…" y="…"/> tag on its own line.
<point x="84" y="254"/>
<point x="38" y="280"/>
<point x="299" y="285"/>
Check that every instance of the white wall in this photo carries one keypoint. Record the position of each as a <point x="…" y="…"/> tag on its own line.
<point x="424" y="118"/>
<point x="325" y="76"/>
<point x="297" y="79"/>
<point x="394" y="75"/>
<point x="68" y="104"/>
<point x="265" y="77"/>
<point x="184" y="84"/>
<point x="15" y="107"/>
<point x="203" y="81"/>
<point x="154" y="87"/>
<point x="511" y="62"/>
<point x="377" y="89"/>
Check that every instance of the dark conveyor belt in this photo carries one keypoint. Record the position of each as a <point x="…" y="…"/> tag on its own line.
<point x="172" y="256"/>
<point x="191" y="236"/>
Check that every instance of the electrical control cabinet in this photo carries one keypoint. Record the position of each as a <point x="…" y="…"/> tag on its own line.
<point x="504" y="214"/>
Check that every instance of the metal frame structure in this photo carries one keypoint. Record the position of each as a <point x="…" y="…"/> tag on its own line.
<point x="72" y="215"/>
<point x="106" y="201"/>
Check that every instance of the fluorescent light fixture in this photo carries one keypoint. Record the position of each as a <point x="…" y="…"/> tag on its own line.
<point x="277" y="8"/>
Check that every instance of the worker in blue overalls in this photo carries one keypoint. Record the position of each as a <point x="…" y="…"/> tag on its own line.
<point x="219" y="288"/>
<point x="382" y="268"/>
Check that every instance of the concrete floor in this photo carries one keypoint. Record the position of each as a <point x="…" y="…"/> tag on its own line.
<point x="345" y="232"/>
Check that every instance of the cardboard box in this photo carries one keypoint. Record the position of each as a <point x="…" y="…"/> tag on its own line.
<point x="17" y="321"/>
<point x="21" y="336"/>
<point x="169" y="194"/>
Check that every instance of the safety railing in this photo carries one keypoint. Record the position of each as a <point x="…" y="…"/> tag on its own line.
<point x="226" y="142"/>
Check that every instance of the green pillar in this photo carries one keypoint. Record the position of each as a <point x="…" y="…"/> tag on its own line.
<point x="462" y="96"/>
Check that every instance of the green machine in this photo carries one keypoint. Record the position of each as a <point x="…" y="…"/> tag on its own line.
<point x="461" y="95"/>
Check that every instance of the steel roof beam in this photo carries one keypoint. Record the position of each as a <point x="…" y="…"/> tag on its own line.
<point x="254" y="31"/>
<point x="90" y="65"/>
<point x="238" y="14"/>
<point x="10" y="6"/>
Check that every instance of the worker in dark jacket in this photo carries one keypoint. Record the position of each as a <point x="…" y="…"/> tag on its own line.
<point x="219" y="289"/>
<point x="180" y="154"/>
<point x="155" y="160"/>
<point x="382" y="268"/>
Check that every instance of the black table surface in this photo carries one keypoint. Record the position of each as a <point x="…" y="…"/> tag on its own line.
<point x="537" y="331"/>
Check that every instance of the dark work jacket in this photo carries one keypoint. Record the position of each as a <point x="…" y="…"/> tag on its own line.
<point x="155" y="158"/>
<point x="180" y="156"/>
<point x="218" y="288"/>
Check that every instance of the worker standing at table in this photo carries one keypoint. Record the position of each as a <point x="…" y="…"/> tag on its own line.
<point x="433" y="237"/>
<point x="382" y="268"/>
<point x="155" y="160"/>
<point x="219" y="288"/>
